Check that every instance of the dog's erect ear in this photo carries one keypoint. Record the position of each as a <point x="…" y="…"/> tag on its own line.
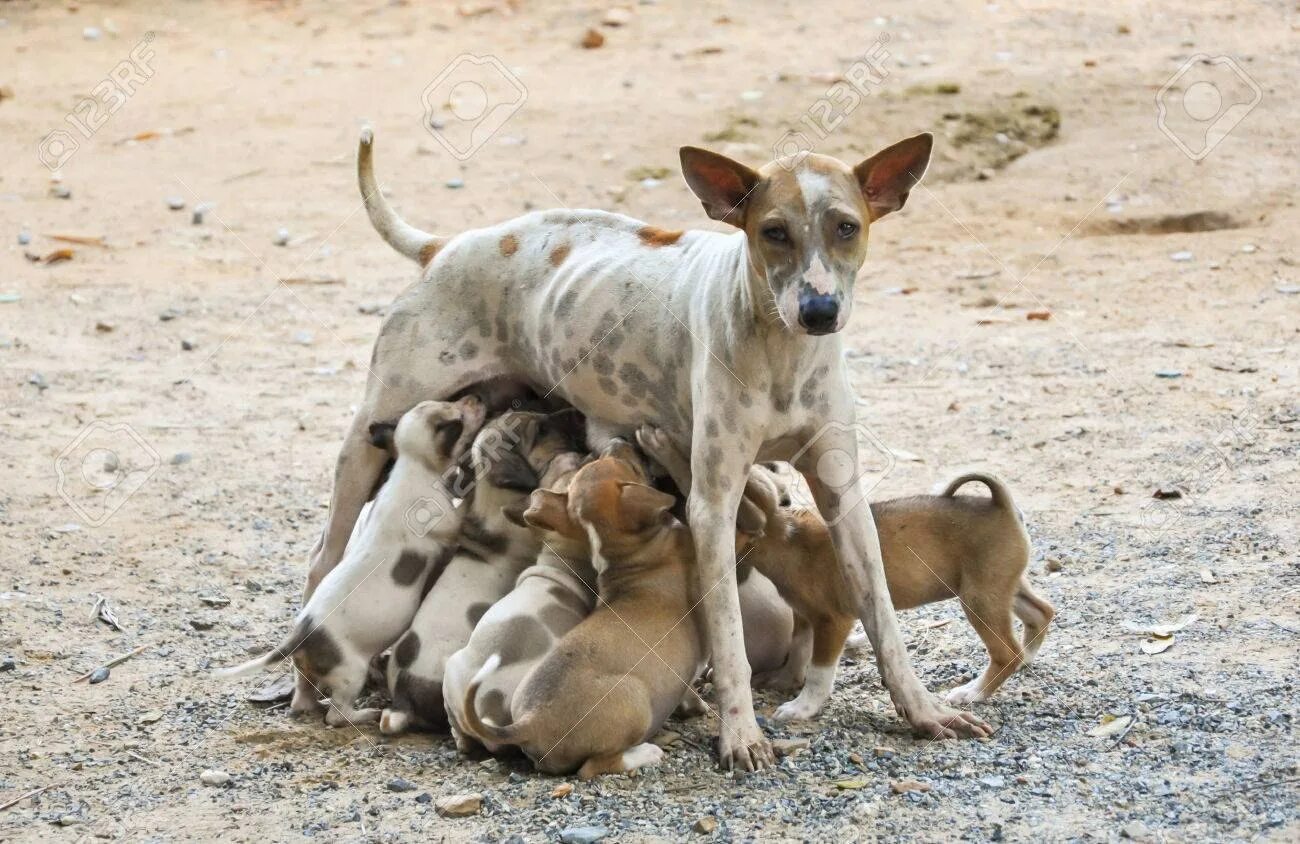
<point x="381" y="436"/>
<point x="569" y="424"/>
<point x="514" y="512"/>
<point x="509" y="470"/>
<point x="642" y="506"/>
<point x="549" y="511"/>
<point x="887" y="177"/>
<point x="720" y="183"/>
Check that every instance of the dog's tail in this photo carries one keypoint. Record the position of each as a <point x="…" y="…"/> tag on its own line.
<point x="256" y="665"/>
<point x="419" y="246"/>
<point x="475" y="725"/>
<point x="1001" y="494"/>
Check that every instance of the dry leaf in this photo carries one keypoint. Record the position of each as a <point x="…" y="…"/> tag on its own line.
<point x="1160" y="630"/>
<point x="937" y="623"/>
<point x="904" y="786"/>
<point x="64" y="254"/>
<point x="104" y="613"/>
<point x="905" y="455"/>
<point x="1110" y="725"/>
<point x="858" y="782"/>
<point x="592" y="40"/>
<point x="80" y="239"/>
<point x="564" y="789"/>
<point x="1158" y="645"/>
<point x="1039" y="315"/>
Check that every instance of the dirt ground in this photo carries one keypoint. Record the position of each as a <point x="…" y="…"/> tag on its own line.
<point x="202" y="375"/>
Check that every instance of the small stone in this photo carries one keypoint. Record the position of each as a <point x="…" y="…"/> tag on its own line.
<point x="180" y="458"/>
<point x="99" y="675"/>
<point x="61" y="192"/>
<point x="200" y="212"/>
<point x="1135" y="831"/>
<point x="188" y="345"/>
<point x="880" y="751"/>
<point x="105" y="327"/>
<point x="993" y="781"/>
<point x="168" y="315"/>
<point x="400" y="784"/>
<point x="617" y="16"/>
<point x="906" y="786"/>
<point x="789" y="746"/>
<point x="751" y="96"/>
<point x="151" y="717"/>
<point x="24" y="238"/>
<point x="92" y="33"/>
<point x="591" y="40"/>
<point x="281" y="237"/>
<point x="372" y="308"/>
<point x="582" y="834"/>
<point x="1182" y="256"/>
<point x="1249" y="248"/>
<point x="8" y="664"/>
<point x="175" y="203"/>
<point x="1053" y="564"/>
<point x="1169" y="373"/>
<point x="459" y="805"/>
<point x="214" y="778"/>
<point x="424" y="797"/>
<point x="69" y="820"/>
<point x="562" y="790"/>
<point x="706" y="825"/>
<point x="455" y="184"/>
<point x="304" y="338"/>
<point x="203" y="624"/>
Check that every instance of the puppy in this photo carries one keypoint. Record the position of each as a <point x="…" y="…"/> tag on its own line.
<point x="511" y="455"/>
<point x="549" y="599"/>
<point x="370" y="598"/>
<point x="935" y="547"/>
<point x="594" y="701"/>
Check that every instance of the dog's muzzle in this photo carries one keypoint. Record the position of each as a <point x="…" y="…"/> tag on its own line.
<point x="819" y="313"/>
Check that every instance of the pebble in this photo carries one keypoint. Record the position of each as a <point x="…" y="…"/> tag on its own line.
<point x="582" y="834"/>
<point x="304" y="338"/>
<point x="458" y="805"/>
<point x="789" y="746"/>
<point x="99" y="675"/>
<point x="1054" y="565"/>
<point x="908" y="786"/>
<point x="400" y="784"/>
<point x="281" y="237"/>
<point x="168" y="315"/>
<point x="180" y="458"/>
<point x="1181" y="256"/>
<point x="214" y="778"/>
<point x="92" y="33"/>
<point x="372" y="308"/>
<point x="706" y="825"/>
<point x="1169" y="373"/>
<point x="616" y="16"/>
<point x="455" y="184"/>
<point x="200" y="211"/>
<point x="175" y="203"/>
<point x="61" y="192"/>
<point x="24" y="238"/>
<point x="188" y="345"/>
<point x="8" y="664"/>
<point x="424" y="797"/>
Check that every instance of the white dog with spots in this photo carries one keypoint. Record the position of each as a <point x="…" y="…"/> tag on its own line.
<point x="369" y="599"/>
<point x="727" y="342"/>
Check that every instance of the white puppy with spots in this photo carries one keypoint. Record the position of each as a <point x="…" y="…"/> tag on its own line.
<point x="369" y="599"/>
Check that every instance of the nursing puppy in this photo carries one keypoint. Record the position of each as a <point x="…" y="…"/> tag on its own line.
<point x="511" y="455"/>
<point x="593" y="702"/>
<point x="365" y="603"/>
<point x="935" y="547"/>
<point x="548" y="600"/>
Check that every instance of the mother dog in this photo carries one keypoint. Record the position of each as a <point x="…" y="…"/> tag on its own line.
<point x="728" y="342"/>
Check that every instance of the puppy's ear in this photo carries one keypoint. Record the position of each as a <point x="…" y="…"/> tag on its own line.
<point x="514" y="512"/>
<point x="720" y="183"/>
<point x="381" y="436"/>
<point x="569" y="424"/>
<point x="549" y="511"/>
<point x="887" y="177"/>
<point x="508" y="470"/>
<point x="642" y="506"/>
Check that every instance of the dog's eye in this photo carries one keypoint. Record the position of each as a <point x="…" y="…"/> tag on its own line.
<point x="776" y="234"/>
<point x="847" y="230"/>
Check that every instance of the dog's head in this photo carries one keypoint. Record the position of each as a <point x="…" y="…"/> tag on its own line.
<point x="805" y="219"/>
<point x="435" y="432"/>
<point x="515" y="450"/>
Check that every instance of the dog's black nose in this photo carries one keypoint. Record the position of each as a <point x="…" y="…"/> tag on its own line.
<point x="818" y="314"/>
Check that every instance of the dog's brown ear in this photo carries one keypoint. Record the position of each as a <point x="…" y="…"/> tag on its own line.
<point x="509" y="470"/>
<point x="549" y="511"/>
<point x="642" y="506"/>
<point x="887" y="177"/>
<point x="381" y="436"/>
<point x="514" y="512"/>
<point x="720" y="183"/>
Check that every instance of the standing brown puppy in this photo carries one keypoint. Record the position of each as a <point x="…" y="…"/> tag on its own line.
<point x="593" y="702"/>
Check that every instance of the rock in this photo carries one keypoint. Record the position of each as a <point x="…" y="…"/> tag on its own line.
<point x="8" y="664"/>
<point x="459" y="805"/>
<point x="1169" y="373"/>
<point x="61" y="192"/>
<point x="102" y="327"/>
<point x="993" y="781"/>
<point x="1181" y="256"/>
<point x="455" y="184"/>
<point x="281" y="237"/>
<point x="69" y="820"/>
<point x="1053" y="564"/>
<point x="1135" y="831"/>
<point x="789" y="746"/>
<point x="214" y="778"/>
<point x="400" y="784"/>
<point x="591" y="40"/>
<point x="304" y="338"/>
<point x="582" y="834"/>
<point x="175" y="203"/>
<point x="24" y="238"/>
<point x="99" y="675"/>
<point x="372" y="308"/>
<point x="180" y="458"/>
<point x="200" y="211"/>
<point x="617" y="16"/>
<point x="203" y="624"/>
<point x="168" y="315"/>
<point x="424" y="797"/>
<point x="188" y="345"/>
<point x="906" y="786"/>
<point x="92" y="33"/>
<point x="151" y="717"/>
<point x="706" y="825"/>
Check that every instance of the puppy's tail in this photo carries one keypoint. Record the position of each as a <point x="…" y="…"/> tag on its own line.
<point x="484" y="730"/>
<point x="259" y="664"/>
<point x="1001" y="494"/>
<point x="419" y="246"/>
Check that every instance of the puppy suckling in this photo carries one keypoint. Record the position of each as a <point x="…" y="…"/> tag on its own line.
<point x="935" y="547"/>
<point x="510" y="457"/>
<point x="548" y="600"/>
<point x="369" y="599"/>
<point x="593" y="702"/>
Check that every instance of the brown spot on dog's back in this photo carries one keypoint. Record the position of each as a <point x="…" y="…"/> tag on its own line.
<point x="559" y="253"/>
<point x="525" y="639"/>
<point x="475" y="612"/>
<point x="428" y="252"/>
<point x="407" y="650"/>
<point x="655" y="236"/>
<point x="318" y="655"/>
<point x="509" y="245"/>
<point x="410" y="565"/>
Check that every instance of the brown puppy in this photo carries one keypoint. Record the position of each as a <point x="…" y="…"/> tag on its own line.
<point x="935" y="547"/>
<point x="595" y="700"/>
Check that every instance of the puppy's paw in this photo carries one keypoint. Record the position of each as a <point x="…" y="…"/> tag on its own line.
<point x="798" y="709"/>
<point x="971" y="692"/>
<point x="394" y="722"/>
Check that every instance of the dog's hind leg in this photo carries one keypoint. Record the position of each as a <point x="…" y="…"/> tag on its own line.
<point x="1035" y="613"/>
<point x="624" y="762"/>
<point x="990" y="614"/>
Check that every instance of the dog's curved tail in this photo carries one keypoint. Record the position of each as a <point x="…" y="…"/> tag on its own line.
<point x="281" y="651"/>
<point x="417" y="245"/>
<point x="1001" y="494"/>
<point x="484" y="730"/>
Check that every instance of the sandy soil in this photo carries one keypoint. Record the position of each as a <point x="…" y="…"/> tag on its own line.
<point x="1156" y="369"/>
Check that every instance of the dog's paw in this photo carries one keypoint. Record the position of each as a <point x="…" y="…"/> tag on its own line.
<point x="642" y="756"/>
<point x="969" y="693"/>
<point x="394" y="722"/>
<point x="798" y="709"/>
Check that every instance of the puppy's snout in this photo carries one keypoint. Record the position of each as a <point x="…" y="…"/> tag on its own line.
<point x="819" y="313"/>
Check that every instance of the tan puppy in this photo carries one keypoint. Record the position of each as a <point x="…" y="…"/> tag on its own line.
<point x="593" y="703"/>
<point x="935" y="547"/>
<point x="510" y="457"/>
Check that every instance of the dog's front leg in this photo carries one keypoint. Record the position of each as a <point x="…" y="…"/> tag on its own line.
<point x="831" y="467"/>
<point x="718" y="480"/>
